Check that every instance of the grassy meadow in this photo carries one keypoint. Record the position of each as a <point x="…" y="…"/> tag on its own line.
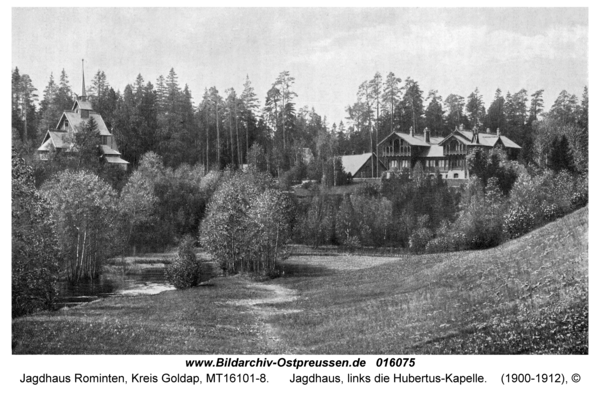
<point x="528" y="295"/>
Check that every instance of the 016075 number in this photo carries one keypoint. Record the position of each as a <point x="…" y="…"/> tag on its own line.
<point x="395" y="362"/>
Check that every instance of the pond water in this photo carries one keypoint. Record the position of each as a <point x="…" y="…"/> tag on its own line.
<point x="145" y="281"/>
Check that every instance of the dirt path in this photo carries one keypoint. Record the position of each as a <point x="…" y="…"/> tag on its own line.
<point x="261" y="307"/>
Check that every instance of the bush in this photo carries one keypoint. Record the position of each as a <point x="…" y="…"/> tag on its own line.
<point x="419" y="239"/>
<point x="540" y="198"/>
<point x="482" y="219"/>
<point x="185" y="271"/>
<point x="439" y="244"/>
<point x="351" y="243"/>
<point x="518" y="221"/>
<point x="448" y="243"/>
<point x="318" y="225"/>
<point x="579" y="199"/>
<point x="550" y="211"/>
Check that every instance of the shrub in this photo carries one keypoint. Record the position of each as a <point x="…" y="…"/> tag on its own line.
<point x="518" y="221"/>
<point x="318" y="225"/>
<point x="439" y="244"/>
<point x="419" y="239"/>
<point x="351" y="243"/>
<point x="185" y="271"/>
<point x="550" y="211"/>
<point x="345" y="227"/>
<point x="482" y="219"/>
<point x="448" y="243"/>
<point x="579" y="199"/>
<point x="540" y="198"/>
<point x="492" y="164"/>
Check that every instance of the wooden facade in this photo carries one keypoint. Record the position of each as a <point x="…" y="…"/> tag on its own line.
<point x="61" y="139"/>
<point x="447" y="156"/>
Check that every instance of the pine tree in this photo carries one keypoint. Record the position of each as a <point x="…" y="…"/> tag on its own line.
<point x="23" y="110"/>
<point x="412" y="106"/>
<point x="537" y="105"/>
<point x="365" y="94"/>
<point x="216" y="101"/>
<point x="560" y="157"/>
<point x="377" y="91"/>
<point x="455" y="105"/>
<point x="516" y="116"/>
<point x="250" y="109"/>
<point x="434" y="114"/>
<point x="391" y="96"/>
<point x="564" y="108"/>
<point x="49" y="112"/>
<point x="495" y="117"/>
<point x="64" y="98"/>
<point x="475" y="109"/>
<point x="161" y="94"/>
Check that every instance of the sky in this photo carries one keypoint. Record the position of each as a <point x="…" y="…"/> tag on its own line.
<point x="329" y="51"/>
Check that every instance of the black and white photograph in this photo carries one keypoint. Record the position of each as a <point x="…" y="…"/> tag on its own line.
<point x="299" y="181"/>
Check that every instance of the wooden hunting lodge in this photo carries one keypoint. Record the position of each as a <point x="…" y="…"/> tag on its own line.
<point x="62" y="138"/>
<point x="446" y="155"/>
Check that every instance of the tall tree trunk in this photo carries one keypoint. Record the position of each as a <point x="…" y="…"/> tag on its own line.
<point x="207" y="151"/>
<point x="392" y="118"/>
<point x="25" y="125"/>
<point x="237" y="138"/>
<point x="218" y="137"/>
<point x="247" y="141"/>
<point x="82" y="255"/>
<point x="231" y="138"/>
<point x="377" y="141"/>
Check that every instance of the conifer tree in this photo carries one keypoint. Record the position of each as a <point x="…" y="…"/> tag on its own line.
<point x="495" y="117"/>
<point x="434" y="114"/>
<point x="391" y="96"/>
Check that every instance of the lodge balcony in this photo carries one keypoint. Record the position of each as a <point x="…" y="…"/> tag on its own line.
<point x="461" y="150"/>
<point x="403" y="151"/>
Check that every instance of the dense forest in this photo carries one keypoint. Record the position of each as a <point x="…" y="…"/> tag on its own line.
<point x="78" y="211"/>
<point x="223" y="127"/>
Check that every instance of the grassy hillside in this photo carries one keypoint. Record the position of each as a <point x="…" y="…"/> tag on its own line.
<point x="526" y="296"/>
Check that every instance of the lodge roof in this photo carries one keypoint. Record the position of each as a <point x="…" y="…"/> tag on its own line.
<point x="115" y="160"/>
<point x="106" y="150"/>
<point x="82" y="104"/>
<point x="413" y="140"/>
<point x="46" y="145"/>
<point x="353" y="163"/>
<point x="55" y="138"/>
<point x="74" y="119"/>
<point x="508" y="143"/>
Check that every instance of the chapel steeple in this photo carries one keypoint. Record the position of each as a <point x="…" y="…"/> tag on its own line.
<point x="83" y="95"/>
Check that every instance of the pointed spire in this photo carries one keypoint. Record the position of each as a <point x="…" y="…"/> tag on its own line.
<point x="83" y="95"/>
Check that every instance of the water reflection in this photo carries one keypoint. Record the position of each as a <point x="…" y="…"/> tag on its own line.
<point x="142" y="282"/>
